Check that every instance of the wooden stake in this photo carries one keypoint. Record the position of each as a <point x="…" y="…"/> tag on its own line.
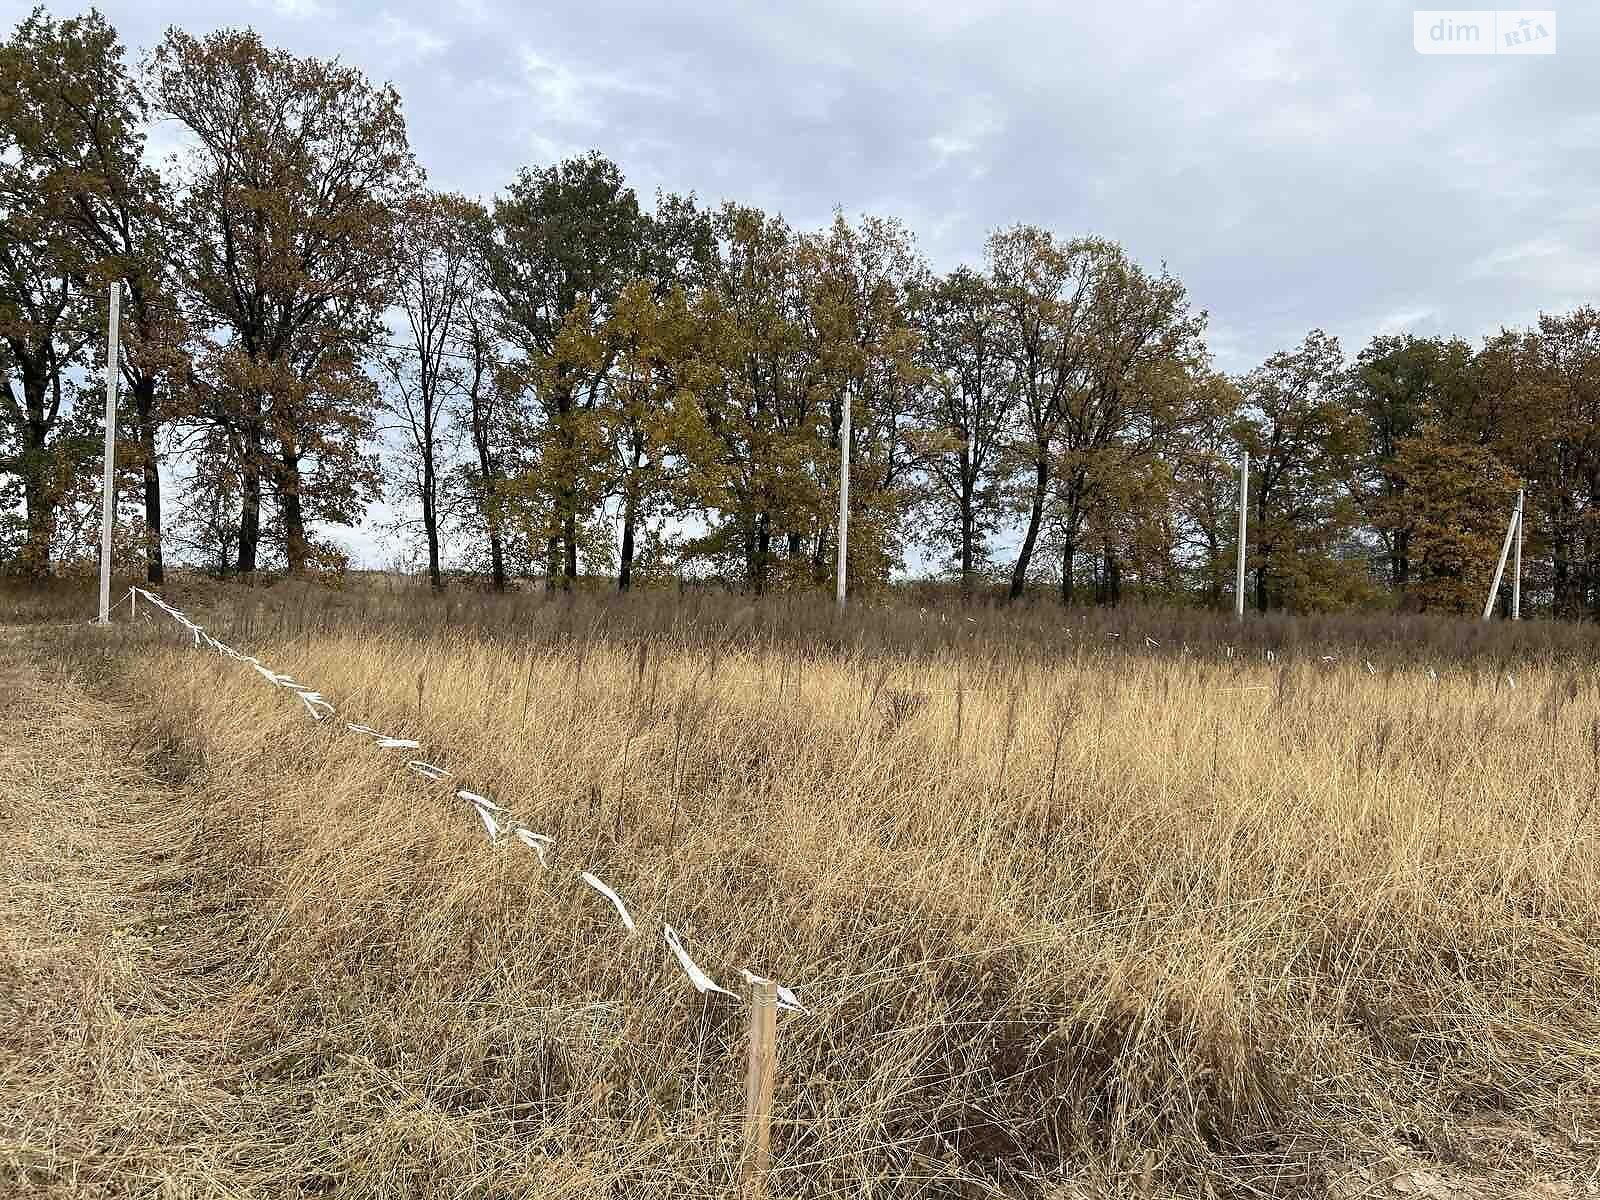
<point x="758" y="1089"/>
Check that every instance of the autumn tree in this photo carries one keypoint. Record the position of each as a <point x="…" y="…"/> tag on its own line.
<point x="858" y="281"/>
<point x="649" y="415"/>
<point x="1538" y="408"/>
<point x="289" y="192"/>
<point x="52" y="300"/>
<point x="964" y="416"/>
<point x="1124" y="400"/>
<point x="440" y="274"/>
<point x="1403" y="385"/>
<point x="1204" y="457"/>
<point x="1453" y="497"/>
<point x="86" y="120"/>
<point x="758" y="404"/>
<point x="1043" y="287"/>
<point x="1301" y="436"/>
<point x="568" y="239"/>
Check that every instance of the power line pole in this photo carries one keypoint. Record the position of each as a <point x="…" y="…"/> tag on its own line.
<point x="108" y="504"/>
<point x="1505" y="549"/>
<point x="1516" y="567"/>
<point x="1244" y="508"/>
<point x="844" y="501"/>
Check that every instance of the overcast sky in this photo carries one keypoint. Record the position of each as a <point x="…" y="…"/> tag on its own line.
<point x="1297" y="165"/>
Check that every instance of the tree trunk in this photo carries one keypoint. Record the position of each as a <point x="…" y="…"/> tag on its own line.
<point x="569" y="534"/>
<point x="1568" y="588"/>
<point x="38" y="495"/>
<point x="1214" y="557"/>
<point x="747" y="535"/>
<point x="567" y="491"/>
<point x="295" y="547"/>
<point x="430" y="525"/>
<point x="491" y="514"/>
<point x="144" y="404"/>
<point x="491" y="520"/>
<point x="763" y="550"/>
<point x="249" y="511"/>
<point x="497" y="559"/>
<point x="250" y="487"/>
<point x="968" y="521"/>
<point x="1069" y="568"/>
<point x="41" y="524"/>
<point x="629" y="515"/>
<point x="1041" y="484"/>
<point x="821" y="555"/>
<point x="1265" y="551"/>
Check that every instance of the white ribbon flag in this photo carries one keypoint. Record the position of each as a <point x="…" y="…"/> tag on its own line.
<point x="537" y="842"/>
<point x="480" y="801"/>
<point x="488" y="810"/>
<point x="702" y="982"/>
<point x="313" y="701"/>
<point x="490" y="825"/>
<point x="786" y="998"/>
<point x="622" y="909"/>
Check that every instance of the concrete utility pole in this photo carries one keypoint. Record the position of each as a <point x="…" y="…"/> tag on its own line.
<point x="1244" y="508"/>
<point x="1512" y="528"/>
<point x="1516" y="566"/>
<point x="108" y="504"/>
<point x="844" y="501"/>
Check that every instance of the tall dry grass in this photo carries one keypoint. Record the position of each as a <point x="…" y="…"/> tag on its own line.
<point x="1059" y="919"/>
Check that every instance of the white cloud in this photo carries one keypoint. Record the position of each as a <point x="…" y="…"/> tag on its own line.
<point x="1403" y="319"/>
<point x="296" y="10"/>
<point x="410" y="41"/>
<point x="1515" y="259"/>
<point x="965" y="141"/>
<point x="1264" y="58"/>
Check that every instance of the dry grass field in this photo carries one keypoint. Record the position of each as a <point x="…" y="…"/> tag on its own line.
<point x="1071" y="913"/>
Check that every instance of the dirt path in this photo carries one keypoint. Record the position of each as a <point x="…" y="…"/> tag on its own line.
<point x="104" y="1090"/>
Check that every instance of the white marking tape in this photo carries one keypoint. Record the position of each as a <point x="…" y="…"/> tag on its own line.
<point x="701" y="981"/>
<point x="622" y="910"/>
<point x="537" y="842"/>
<point x="490" y="825"/>
<point x="480" y="801"/>
<point x="313" y="701"/>
<point x="786" y="998"/>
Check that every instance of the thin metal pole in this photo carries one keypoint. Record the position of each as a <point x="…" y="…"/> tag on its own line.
<point x="108" y="504"/>
<point x="1500" y="567"/>
<point x="1244" y="508"/>
<point x="844" y="501"/>
<point x="1516" y="566"/>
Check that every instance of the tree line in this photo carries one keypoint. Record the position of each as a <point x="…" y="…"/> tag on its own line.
<point x="563" y="383"/>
